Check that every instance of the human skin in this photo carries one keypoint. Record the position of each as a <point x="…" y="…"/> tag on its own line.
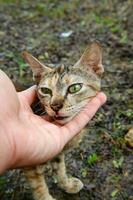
<point x="27" y="139"/>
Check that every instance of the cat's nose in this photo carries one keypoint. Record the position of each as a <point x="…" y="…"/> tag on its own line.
<point x="56" y="106"/>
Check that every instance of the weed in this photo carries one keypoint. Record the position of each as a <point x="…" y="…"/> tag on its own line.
<point x="91" y="159"/>
<point x="116" y="152"/>
<point x="83" y="172"/>
<point x="118" y="163"/>
<point x="114" y="192"/>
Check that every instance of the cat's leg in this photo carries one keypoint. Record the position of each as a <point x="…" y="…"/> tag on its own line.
<point x="35" y="177"/>
<point x="69" y="184"/>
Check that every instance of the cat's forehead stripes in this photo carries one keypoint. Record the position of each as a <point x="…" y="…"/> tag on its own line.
<point x="50" y="79"/>
<point x="67" y="79"/>
<point x="59" y="74"/>
<point x="53" y="80"/>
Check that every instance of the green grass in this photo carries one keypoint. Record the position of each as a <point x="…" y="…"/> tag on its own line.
<point x="91" y="159"/>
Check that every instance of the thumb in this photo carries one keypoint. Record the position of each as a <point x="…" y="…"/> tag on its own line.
<point x="29" y="94"/>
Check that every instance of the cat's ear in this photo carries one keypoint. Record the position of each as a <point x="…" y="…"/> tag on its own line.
<point x="92" y="58"/>
<point x="36" y="66"/>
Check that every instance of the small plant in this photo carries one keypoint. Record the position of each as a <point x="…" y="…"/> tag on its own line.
<point x="22" y="66"/>
<point x="91" y="159"/>
<point x="116" y="152"/>
<point x="118" y="163"/>
<point x="115" y="178"/>
<point x="124" y="37"/>
<point x="2" y="180"/>
<point x="83" y="172"/>
<point x="114" y="192"/>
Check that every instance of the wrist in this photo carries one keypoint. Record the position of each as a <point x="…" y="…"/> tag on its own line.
<point x="5" y="150"/>
<point x="8" y="147"/>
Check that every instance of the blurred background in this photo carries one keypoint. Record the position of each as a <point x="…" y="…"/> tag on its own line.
<point x="57" y="32"/>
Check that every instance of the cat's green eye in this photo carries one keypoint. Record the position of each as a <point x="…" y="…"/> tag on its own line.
<point x="45" y="90"/>
<point x="75" y="88"/>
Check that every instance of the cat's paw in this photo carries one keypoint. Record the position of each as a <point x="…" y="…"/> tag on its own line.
<point x="74" y="185"/>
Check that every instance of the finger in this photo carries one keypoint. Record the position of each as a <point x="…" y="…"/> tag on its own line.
<point x="29" y="94"/>
<point x="83" y="117"/>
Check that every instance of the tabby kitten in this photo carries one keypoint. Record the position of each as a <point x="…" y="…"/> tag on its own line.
<point x="63" y="91"/>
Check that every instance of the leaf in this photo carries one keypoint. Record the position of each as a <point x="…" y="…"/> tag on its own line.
<point x="114" y="192"/>
<point x="124" y="37"/>
<point x="92" y="158"/>
<point x="118" y="163"/>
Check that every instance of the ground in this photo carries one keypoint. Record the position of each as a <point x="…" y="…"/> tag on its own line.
<point x="58" y="32"/>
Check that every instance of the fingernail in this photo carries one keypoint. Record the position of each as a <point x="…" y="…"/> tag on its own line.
<point x="102" y="96"/>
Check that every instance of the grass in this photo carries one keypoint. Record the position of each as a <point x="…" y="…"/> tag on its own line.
<point x="118" y="163"/>
<point x="91" y="159"/>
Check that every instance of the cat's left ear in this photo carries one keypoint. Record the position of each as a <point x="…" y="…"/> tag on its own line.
<point x="92" y="58"/>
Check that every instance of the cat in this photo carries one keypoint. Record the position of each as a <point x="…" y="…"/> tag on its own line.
<point x="63" y="91"/>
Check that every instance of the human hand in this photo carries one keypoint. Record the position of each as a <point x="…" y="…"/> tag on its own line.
<point x="28" y="139"/>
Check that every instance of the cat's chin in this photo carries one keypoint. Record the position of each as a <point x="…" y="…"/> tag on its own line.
<point x="63" y="121"/>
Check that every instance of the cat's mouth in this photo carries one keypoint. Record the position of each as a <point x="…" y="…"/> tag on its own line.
<point x="60" y="117"/>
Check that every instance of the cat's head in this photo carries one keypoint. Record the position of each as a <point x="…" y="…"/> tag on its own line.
<point x="64" y="90"/>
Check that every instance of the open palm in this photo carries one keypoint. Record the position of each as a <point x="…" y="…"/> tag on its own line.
<point x="29" y="138"/>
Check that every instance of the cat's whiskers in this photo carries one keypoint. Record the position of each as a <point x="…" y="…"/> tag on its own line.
<point x="43" y="113"/>
<point x="37" y="103"/>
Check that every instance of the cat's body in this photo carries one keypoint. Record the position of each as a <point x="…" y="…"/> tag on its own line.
<point x="63" y="92"/>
